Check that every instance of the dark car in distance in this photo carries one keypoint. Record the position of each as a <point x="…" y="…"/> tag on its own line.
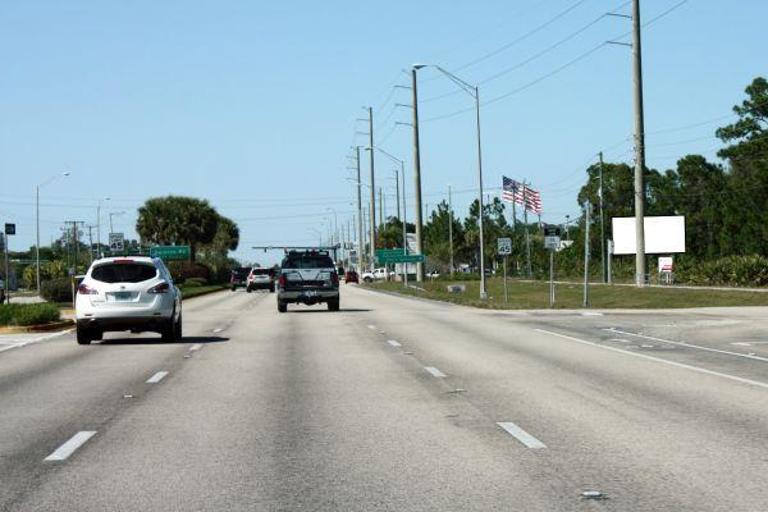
<point x="351" y="277"/>
<point x="239" y="277"/>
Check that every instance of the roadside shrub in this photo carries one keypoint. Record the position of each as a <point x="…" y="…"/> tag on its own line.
<point x="183" y="270"/>
<point x="28" y="314"/>
<point x="748" y="271"/>
<point x="194" y="282"/>
<point x="57" y="290"/>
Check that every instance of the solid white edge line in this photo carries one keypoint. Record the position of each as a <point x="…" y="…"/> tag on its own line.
<point x="660" y="360"/>
<point x="394" y="343"/>
<point x="24" y="343"/>
<point x="68" y="448"/>
<point x="683" y="344"/>
<point x="521" y="435"/>
<point x="195" y="347"/>
<point x="435" y="372"/>
<point x="156" y="377"/>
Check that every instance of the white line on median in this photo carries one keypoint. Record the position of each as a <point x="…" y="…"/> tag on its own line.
<point x="68" y="448"/>
<point x="659" y="360"/>
<point x="521" y="435"/>
<point x="156" y="377"/>
<point x="688" y="345"/>
<point x="394" y="343"/>
<point x="372" y="327"/>
<point x="195" y="347"/>
<point x="435" y="372"/>
<point x="24" y="343"/>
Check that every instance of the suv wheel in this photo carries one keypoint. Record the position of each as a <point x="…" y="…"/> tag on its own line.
<point x="83" y="336"/>
<point x="234" y="287"/>
<point x="170" y="330"/>
<point x="282" y="306"/>
<point x="248" y="289"/>
<point x="272" y="288"/>
<point x="333" y="305"/>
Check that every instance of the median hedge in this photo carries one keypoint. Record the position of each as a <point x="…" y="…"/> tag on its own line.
<point x="28" y="314"/>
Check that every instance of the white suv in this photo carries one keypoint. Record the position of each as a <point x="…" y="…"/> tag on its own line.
<point x="127" y="293"/>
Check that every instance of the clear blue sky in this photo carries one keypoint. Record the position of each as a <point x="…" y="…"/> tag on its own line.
<point x="252" y="105"/>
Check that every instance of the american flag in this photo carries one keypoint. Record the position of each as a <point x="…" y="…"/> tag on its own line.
<point x="514" y="191"/>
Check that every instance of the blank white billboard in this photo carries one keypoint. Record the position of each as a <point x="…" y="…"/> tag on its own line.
<point x="663" y="235"/>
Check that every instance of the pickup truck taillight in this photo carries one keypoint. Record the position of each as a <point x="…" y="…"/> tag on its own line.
<point x="161" y="288"/>
<point x="86" y="290"/>
<point x="334" y="279"/>
<point x="281" y="280"/>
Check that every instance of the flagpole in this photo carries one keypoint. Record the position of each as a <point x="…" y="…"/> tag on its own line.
<point x="527" y="231"/>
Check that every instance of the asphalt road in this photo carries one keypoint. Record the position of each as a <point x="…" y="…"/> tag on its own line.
<point x="391" y="404"/>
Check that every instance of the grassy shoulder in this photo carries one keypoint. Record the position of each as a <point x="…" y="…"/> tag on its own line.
<point x="535" y="295"/>
<point x="12" y="315"/>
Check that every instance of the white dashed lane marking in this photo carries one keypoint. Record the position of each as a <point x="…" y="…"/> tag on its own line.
<point x="521" y="435"/>
<point x="195" y="347"/>
<point x="394" y="343"/>
<point x="156" y="377"/>
<point x="435" y="372"/>
<point x="65" y="450"/>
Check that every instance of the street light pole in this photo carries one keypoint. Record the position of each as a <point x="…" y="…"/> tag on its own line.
<point x="450" y="228"/>
<point x="360" y="240"/>
<point x="474" y="91"/>
<point x="37" y="223"/>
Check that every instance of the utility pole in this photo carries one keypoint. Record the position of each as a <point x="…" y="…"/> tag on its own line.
<point x="397" y="193"/>
<point x="417" y="174"/>
<point x="587" y="208"/>
<point x="360" y="221"/>
<point x="405" y="227"/>
<point x="637" y="55"/>
<point x="90" y="239"/>
<point x="602" y="224"/>
<point x="373" y="188"/>
<point x="381" y="206"/>
<point x="450" y="228"/>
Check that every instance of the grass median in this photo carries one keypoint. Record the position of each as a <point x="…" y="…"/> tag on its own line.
<point x="187" y="292"/>
<point x="535" y="295"/>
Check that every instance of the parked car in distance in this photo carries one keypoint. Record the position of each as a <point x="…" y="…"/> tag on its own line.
<point x="239" y="277"/>
<point x="378" y="274"/>
<point x="308" y="277"/>
<point x="261" y="279"/>
<point x="121" y="294"/>
<point x="2" y="291"/>
<point x="351" y="277"/>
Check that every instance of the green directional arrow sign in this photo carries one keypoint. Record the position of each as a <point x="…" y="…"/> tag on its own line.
<point x="171" y="252"/>
<point x="388" y="253"/>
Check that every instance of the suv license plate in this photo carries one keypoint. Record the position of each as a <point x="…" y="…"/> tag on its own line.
<point x="122" y="296"/>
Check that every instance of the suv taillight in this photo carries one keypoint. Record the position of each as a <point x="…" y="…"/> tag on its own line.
<point x="161" y="288"/>
<point x="85" y="290"/>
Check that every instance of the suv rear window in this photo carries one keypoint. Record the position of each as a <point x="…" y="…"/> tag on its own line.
<point x="124" y="273"/>
<point x="241" y="272"/>
<point x="307" y="261"/>
<point x="262" y="271"/>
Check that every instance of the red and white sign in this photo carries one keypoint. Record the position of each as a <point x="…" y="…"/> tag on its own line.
<point x="666" y="264"/>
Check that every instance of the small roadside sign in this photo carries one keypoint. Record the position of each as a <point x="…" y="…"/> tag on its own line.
<point x="10" y="229"/>
<point x="504" y="246"/>
<point x="666" y="264"/>
<point x="171" y="252"/>
<point x="552" y="237"/>
<point x="116" y="242"/>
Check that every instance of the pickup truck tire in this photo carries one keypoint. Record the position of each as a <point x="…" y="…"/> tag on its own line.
<point x="234" y="288"/>
<point x="272" y="289"/>
<point x="367" y="279"/>
<point x="83" y="336"/>
<point x="333" y="305"/>
<point x="248" y="289"/>
<point x="282" y="307"/>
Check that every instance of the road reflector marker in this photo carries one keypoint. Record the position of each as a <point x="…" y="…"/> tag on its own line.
<point x="435" y="372"/>
<point x="521" y="435"/>
<point x="394" y="343"/>
<point x="65" y="450"/>
<point x="156" y="377"/>
<point x="195" y="347"/>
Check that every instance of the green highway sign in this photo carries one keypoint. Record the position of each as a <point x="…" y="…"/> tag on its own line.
<point x="400" y="258"/>
<point x="389" y="253"/>
<point x="171" y="252"/>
